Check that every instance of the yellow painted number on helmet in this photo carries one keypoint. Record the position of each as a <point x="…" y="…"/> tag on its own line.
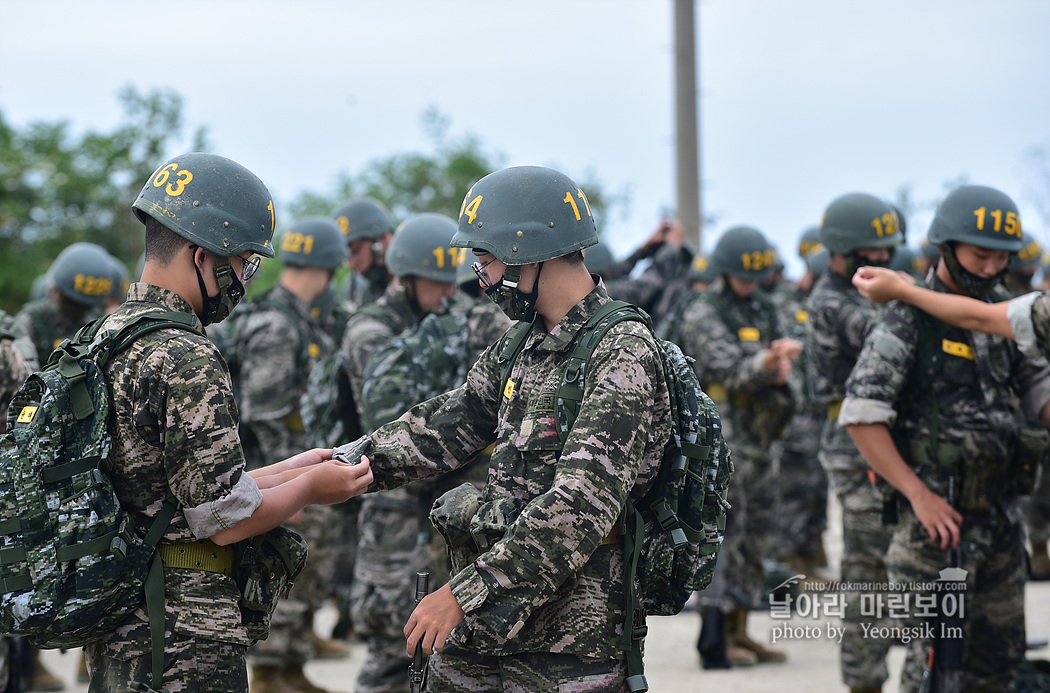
<point x="456" y="256"/>
<point x="92" y="286"/>
<point x="471" y="209"/>
<point x="757" y="260"/>
<point x="273" y="219"/>
<point x="297" y="243"/>
<point x="177" y="186"/>
<point x="1013" y="222"/>
<point x="887" y="225"/>
<point x="568" y="200"/>
<point x="344" y="225"/>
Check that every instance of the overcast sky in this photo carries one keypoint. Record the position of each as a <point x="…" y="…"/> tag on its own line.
<point x="801" y="100"/>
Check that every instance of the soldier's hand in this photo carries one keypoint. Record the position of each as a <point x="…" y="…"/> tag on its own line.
<point x="309" y="458"/>
<point x="786" y="348"/>
<point x="432" y="621"/>
<point x="880" y="285"/>
<point x="335" y="482"/>
<point x="941" y="520"/>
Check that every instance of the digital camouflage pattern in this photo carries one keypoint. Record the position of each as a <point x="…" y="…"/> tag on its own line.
<point x="14" y="367"/>
<point x="47" y="322"/>
<point x="518" y="595"/>
<point x="983" y="391"/>
<point x="803" y="488"/>
<point x="175" y="426"/>
<point x="461" y="671"/>
<point x="728" y="337"/>
<point x="838" y="320"/>
<point x="278" y="344"/>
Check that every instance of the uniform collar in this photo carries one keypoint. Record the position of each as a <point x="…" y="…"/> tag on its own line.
<point x="141" y="292"/>
<point x="564" y="333"/>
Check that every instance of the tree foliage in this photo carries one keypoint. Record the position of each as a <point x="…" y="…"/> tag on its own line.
<point x="57" y="187"/>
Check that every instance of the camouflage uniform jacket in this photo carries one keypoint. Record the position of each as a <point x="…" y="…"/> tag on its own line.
<point x="729" y="337"/>
<point x="838" y="319"/>
<point x="1029" y="317"/>
<point x="47" y="323"/>
<point x="13" y="366"/>
<point x="983" y="393"/>
<point x="371" y="327"/>
<point x="174" y="426"/>
<point x="278" y="346"/>
<point x="547" y="582"/>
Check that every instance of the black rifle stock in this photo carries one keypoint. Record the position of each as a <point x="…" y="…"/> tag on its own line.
<point x="944" y="669"/>
<point x="415" y="670"/>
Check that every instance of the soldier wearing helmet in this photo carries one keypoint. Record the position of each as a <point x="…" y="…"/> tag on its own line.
<point x="943" y="415"/>
<point x="744" y="359"/>
<point x="79" y="280"/>
<point x="279" y="340"/>
<point x="1020" y="272"/>
<point x="367" y="231"/>
<point x="175" y="431"/>
<point x="535" y="610"/>
<point x="857" y="229"/>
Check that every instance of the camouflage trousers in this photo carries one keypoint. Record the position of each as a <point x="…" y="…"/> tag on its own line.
<point x="457" y="671"/>
<point x="289" y="642"/>
<point x="191" y="665"/>
<point x="803" y="490"/>
<point x="750" y="528"/>
<point x="383" y="594"/>
<point x="862" y="656"/>
<point x="993" y="624"/>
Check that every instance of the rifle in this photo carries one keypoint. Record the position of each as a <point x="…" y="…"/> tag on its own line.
<point x="415" y="669"/>
<point x="944" y="670"/>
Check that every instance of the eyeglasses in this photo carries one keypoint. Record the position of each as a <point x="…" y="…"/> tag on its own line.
<point x="479" y="268"/>
<point x="250" y="266"/>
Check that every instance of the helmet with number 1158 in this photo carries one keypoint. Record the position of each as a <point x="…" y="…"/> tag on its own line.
<point x="525" y="214"/>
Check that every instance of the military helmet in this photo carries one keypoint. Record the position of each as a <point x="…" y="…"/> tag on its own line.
<point x="83" y="272"/>
<point x="363" y="217"/>
<point x="701" y="269"/>
<point x="420" y="248"/>
<point x="817" y="261"/>
<point x="598" y="258"/>
<point x="1028" y="257"/>
<point x="809" y="241"/>
<point x="313" y="242"/>
<point x="745" y="253"/>
<point x="905" y="259"/>
<point x="979" y="216"/>
<point x="930" y="251"/>
<point x="859" y="220"/>
<point x="121" y="278"/>
<point x="525" y="214"/>
<point x="212" y="202"/>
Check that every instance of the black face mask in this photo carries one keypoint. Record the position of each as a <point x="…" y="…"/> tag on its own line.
<point x="516" y="304"/>
<point x="854" y="262"/>
<point x="231" y="291"/>
<point x="973" y="285"/>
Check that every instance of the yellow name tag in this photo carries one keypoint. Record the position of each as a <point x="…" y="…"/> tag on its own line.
<point x="508" y="389"/>
<point x="957" y="349"/>
<point x="801" y="316"/>
<point x="749" y="334"/>
<point x="314" y="351"/>
<point x="26" y="415"/>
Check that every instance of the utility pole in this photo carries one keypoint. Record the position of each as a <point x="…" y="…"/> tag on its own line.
<point x="687" y="122"/>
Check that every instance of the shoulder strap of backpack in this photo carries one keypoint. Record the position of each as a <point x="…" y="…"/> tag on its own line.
<point x="510" y="347"/>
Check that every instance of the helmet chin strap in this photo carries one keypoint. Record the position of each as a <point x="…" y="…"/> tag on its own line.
<point x="217" y="308"/>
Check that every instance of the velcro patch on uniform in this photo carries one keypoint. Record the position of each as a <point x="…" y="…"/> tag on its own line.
<point x="957" y="349"/>
<point x="801" y="317"/>
<point x="314" y="350"/>
<point x="542" y="403"/>
<point x="26" y="415"/>
<point x="749" y="334"/>
<point x="508" y="390"/>
<point x="888" y="346"/>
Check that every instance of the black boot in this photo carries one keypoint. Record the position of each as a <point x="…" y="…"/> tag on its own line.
<point x="712" y="641"/>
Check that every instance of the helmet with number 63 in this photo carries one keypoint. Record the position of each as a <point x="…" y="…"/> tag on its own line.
<point x="420" y="248"/>
<point x="859" y="220"/>
<point x="313" y="242"/>
<point x="980" y="216"/>
<point x="526" y="214"/>
<point x="744" y="252"/>
<point x="211" y="201"/>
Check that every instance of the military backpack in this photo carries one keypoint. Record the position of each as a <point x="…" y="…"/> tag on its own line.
<point x="672" y="536"/>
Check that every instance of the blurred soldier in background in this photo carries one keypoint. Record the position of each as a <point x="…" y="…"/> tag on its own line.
<point x="857" y="229"/>
<point x="743" y="360"/>
<point x="905" y="259"/>
<point x="81" y="278"/>
<point x="279" y="340"/>
<point x="1021" y="270"/>
<point x="367" y="230"/>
